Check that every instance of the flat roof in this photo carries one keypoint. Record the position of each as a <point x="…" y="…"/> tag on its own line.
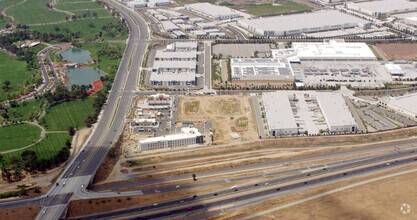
<point x="260" y="66"/>
<point x="278" y="111"/>
<point x="407" y="102"/>
<point x="212" y="10"/>
<point x="169" y="76"/>
<point x="169" y="12"/>
<point x="385" y="5"/>
<point x="333" y="49"/>
<point x="334" y="109"/>
<point x="174" y="64"/>
<point x="175" y="54"/>
<point x="185" y="44"/>
<point x="185" y="133"/>
<point x="169" y="25"/>
<point x="301" y="21"/>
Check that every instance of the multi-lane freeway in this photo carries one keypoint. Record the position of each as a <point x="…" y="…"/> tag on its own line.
<point x="82" y="168"/>
<point x="267" y="189"/>
<point x="80" y="171"/>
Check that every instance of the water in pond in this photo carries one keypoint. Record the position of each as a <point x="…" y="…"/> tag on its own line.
<point x="83" y="76"/>
<point x="76" y="55"/>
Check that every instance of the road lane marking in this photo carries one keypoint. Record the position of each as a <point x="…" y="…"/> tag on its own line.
<point x="328" y="193"/>
<point x="115" y="111"/>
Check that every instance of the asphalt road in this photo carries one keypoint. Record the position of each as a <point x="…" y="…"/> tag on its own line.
<point x="224" y="171"/>
<point x="212" y="200"/>
<point x="82" y="169"/>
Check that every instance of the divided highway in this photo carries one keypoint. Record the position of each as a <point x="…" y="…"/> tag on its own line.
<point x="81" y="170"/>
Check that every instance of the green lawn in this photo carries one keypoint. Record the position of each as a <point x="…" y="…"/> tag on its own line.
<point x="47" y="148"/>
<point x="15" y="71"/>
<point x="67" y="1"/>
<point x="78" y="25"/>
<point x="5" y="4"/>
<point x="35" y="12"/>
<point x="100" y="12"/>
<point x="63" y="115"/>
<point x="67" y="6"/>
<point x="105" y="62"/>
<point x="269" y="9"/>
<point x="25" y="111"/>
<point x="11" y="136"/>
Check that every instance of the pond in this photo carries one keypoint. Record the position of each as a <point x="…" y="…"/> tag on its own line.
<point x="76" y="55"/>
<point x="83" y="76"/>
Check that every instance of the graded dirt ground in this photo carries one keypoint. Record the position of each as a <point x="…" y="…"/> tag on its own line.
<point x="20" y="213"/>
<point x="399" y="51"/>
<point x="223" y="111"/>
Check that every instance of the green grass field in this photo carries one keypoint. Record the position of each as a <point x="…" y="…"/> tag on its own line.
<point x="68" y="6"/>
<point x="100" y="12"/>
<point x="5" y="4"/>
<point x="105" y="62"/>
<point x="63" y="115"/>
<point x="67" y="1"/>
<point x="269" y="9"/>
<point x="47" y="148"/>
<point x="11" y="136"/>
<point x="35" y="12"/>
<point x="13" y="70"/>
<point x="25" y="111"/>
<point x="78" y="25"/>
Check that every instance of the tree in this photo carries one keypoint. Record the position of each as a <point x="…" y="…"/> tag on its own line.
<point x="30" y="159"/>
<point x="68" y="143"/>
<point x="6" y="84"/>
<point x="71" y="131"/>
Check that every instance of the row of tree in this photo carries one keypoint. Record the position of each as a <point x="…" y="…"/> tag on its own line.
<point x="29" y="162"/>
<point x="64" y="94"/>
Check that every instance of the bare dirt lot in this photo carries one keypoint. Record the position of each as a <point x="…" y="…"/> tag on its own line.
<point x="20" y="213"/>
<point x="398" y="51"/>
<point x="228" y="113"/>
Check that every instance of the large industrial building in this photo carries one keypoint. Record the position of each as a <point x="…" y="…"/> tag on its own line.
<point x="303" y="23"/>
<point x="296" y="112"/>
<point x="261" y="69"/>
<point x="279" y="115"/>
<point x="213" y="11"/>
<point x="188" y="136"/>
<point x="406" y="104"/>
<point x="146" y="3"/>
<point x="336" y="113"/>
<point x="383" y="8"/>
<point x="328" y="50"/>
<point x="176" y="65"/>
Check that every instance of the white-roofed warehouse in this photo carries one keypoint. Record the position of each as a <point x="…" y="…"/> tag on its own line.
<point x="303" y="23"/>
<point x="336" y="113"/>
<point x="383" y="8"/>
<point x="213" y="11"/>
<point x="278" y="114"/>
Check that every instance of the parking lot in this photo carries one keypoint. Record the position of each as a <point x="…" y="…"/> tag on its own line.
<point x="376" y="118"/>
